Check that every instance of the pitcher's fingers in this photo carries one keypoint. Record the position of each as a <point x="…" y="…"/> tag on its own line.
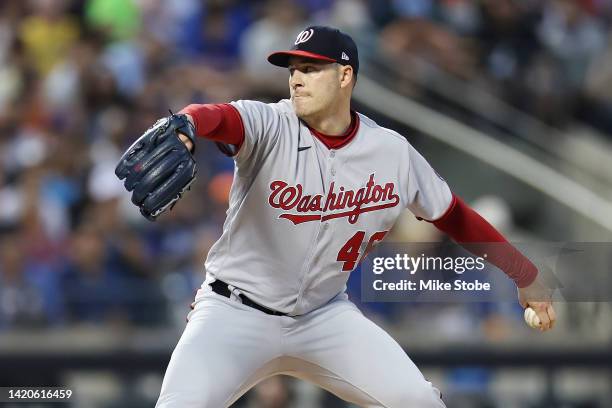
<point x="543" y="316"/>
<point x="551" y="314"/>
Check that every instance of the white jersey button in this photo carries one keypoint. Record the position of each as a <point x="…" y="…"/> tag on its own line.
<point x="332" y="153"/>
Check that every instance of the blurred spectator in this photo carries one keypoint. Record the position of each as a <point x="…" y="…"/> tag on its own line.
<point x="420" y="40"/>
<point x="12" y="59"/>
<point x="92" y="288"/>
<point x="573" y="38"/>
<point x="48" y="33"/>
<point x="109" y="275"/>
<point x="276" y="30"/>
<point x="461" y="15"/>
<point x="596" y="107"/>
<point x="352" y="16"/>
<point x="26" y="290"/>
<point x="507" y="38"/>
<point x="214" y="34"/>
<point x="118" y="19"/>
<point x="166" y="22"/>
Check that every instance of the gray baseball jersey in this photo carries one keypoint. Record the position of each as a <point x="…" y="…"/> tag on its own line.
<point x="301" y="216"/>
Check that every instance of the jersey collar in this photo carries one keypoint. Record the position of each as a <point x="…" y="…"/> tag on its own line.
<point x="337" y="142"/>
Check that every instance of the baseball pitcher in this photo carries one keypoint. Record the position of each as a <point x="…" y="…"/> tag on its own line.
<point x="316" y="186"/>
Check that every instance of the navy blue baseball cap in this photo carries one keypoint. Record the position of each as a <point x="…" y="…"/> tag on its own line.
<point x="320" y="43"/>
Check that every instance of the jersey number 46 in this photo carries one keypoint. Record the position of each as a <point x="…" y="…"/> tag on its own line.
<point x="349" y="253"/>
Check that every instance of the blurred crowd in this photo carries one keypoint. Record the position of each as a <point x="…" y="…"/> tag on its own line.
<point x="80" y="80"/>
<point x="547" y="58"/>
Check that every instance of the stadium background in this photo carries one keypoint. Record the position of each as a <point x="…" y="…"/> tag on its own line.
<point x="93" y="297"/>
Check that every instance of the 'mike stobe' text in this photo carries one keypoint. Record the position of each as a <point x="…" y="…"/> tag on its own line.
<point x="434" y="285"/>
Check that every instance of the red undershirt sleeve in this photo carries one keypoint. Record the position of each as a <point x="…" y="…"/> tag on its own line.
<point x="466" y="226"/>
<point x="218" y="122"/>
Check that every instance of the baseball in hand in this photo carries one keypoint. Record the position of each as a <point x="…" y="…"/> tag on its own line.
<point x="531" y="318"/>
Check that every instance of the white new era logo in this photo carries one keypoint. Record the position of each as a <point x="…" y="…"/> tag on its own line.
<point x="344" y="56"/>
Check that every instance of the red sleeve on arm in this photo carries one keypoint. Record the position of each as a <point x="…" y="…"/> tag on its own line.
<point x="218" y="122"/>
<point x="464" y="225"/>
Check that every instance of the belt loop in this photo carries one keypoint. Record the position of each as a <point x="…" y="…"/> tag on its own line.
<point x="235" y="293"/>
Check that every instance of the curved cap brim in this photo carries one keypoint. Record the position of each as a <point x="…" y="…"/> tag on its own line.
<point x="281" y="58"/>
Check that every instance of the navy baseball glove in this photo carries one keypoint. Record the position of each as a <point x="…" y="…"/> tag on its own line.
<point x="158" y="168"/>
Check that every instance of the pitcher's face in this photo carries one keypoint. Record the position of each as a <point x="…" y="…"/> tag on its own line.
<point x="314" y="85"/>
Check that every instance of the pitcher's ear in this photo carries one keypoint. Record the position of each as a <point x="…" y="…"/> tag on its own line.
<point x="347" y="76"/>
